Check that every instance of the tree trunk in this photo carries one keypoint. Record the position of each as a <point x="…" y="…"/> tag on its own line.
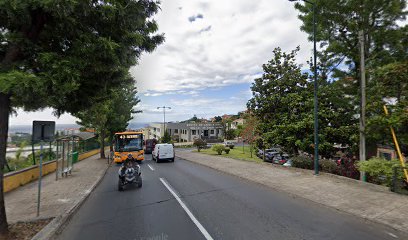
<point x="4" y="120"/>
<point x="102" y="140"/>
<point x="111" y="142"/>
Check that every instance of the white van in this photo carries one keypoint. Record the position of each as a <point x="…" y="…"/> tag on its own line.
<point x="163" y="151"/>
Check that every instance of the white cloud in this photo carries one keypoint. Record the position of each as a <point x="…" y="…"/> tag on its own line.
<point x="227" y="46"/>
<point x="27" y="118"/>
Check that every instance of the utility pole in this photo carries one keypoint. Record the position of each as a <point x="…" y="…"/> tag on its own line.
<point x="164" y="117"/>
<point x="363" y="103"/>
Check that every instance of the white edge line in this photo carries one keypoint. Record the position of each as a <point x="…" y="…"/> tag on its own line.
<point x="392" y="235"/>
<point x="151" y="168"/>
<point x="195" y="221"/>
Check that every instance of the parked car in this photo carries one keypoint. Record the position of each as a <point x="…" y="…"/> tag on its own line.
<point x="280" y="159"/>
<point x="162" y="152"/>
<point x="260" y="152"/>
<point x="270" y="155"/>
<point x="231" y="145"/>
<point x="288" y="163"/>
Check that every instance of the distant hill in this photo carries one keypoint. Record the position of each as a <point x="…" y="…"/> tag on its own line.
<point x="28" y="128"/>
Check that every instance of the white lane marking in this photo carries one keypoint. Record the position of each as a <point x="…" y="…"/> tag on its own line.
<point x="151" y="168"/>
<point x="392" y="235"/>
<point x="195" y="221"/>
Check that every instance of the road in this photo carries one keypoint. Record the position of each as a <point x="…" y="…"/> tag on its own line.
<point x="183" y="200"/>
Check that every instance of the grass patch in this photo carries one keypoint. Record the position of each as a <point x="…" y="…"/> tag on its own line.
<point x="235" y="153"/>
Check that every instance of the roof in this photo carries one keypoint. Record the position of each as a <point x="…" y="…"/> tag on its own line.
<point x="85" y="135"/>
<point x="80" y="135"/>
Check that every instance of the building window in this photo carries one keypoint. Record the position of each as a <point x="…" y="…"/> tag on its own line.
<point x="175" y="130"/>
<point x="193" y="132"/>
<point x="212" y="131"/>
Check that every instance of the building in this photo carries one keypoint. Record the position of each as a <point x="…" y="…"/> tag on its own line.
<point x="237" y="122"/>
<point x="185" y="132"/>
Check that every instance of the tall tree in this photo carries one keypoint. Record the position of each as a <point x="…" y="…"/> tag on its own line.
<point x="61" y="54"/>
<point x="112" y="115"/>
<point x="281" y="101"/>
<point x="390" y="85"/>
<point x="340" y="21"/>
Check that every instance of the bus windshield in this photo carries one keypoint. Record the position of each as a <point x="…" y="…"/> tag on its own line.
<point x="129" y="142"/>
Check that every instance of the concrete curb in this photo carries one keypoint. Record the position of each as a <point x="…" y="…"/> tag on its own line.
<point x="57" y="224"/>
<point x="378" y="188"/>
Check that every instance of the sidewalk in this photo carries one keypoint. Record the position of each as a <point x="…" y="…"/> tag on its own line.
<point x="369" y="201"/>
<point x="57" y="197"/>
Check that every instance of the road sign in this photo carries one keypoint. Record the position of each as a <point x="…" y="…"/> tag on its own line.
<point x="43" y="131"/>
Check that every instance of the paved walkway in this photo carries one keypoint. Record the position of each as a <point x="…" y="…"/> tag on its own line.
<point x="56" y="196"/>
<point x="364" y="200"/>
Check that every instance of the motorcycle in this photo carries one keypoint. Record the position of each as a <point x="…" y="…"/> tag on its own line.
<point x="129" y="173"/>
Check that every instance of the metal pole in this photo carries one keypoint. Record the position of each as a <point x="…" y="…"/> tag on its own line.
<point x="397" y="147"/>
<point x="316" y="119"/>
<point x="39" y="179"/>
<point x="363" y="103"/>
<point x="33" y="151"/>
<point x="56" y="162"/>
<point x="164" y="119"/>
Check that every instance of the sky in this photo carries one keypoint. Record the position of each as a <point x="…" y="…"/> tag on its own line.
<point x="212" y="53"/>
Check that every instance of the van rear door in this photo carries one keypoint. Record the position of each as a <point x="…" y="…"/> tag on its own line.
<point x="166" y="151"/>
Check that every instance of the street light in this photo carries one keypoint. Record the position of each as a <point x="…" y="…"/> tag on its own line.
<point x="316" y="123"/>
<point x="164" y="117"/>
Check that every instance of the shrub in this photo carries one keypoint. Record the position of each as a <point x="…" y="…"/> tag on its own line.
<point x="227" y="150"/>
<point x="328" y="166"/>
<point x="348" y="168"/>
<point x="380" y="170"/>
<point x="231" y="146"/>
<point x="302" y="162"/>
<point x="199" y="143"/>
<point x="219" y="148"/>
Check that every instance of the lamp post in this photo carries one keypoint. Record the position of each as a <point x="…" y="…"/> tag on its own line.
<point x="164" y="117"/>
<point x="316" y="122"/>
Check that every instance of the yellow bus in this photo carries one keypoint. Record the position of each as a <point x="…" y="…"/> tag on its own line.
<point x="126" y="143"/>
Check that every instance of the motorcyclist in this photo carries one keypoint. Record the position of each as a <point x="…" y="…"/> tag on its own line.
<point x="130" y="162"/>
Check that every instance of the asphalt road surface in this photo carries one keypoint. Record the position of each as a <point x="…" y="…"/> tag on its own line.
<point x="183" y="200"/>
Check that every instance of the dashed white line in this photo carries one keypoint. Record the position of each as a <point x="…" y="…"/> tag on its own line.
<point x="195" y="221"/>
<point x="392" y="235"/>
<point x="151" y="168"/>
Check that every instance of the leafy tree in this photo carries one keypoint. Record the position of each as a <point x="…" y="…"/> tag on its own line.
<point x="111" y="115"/>
<point x="338" y="24"/>
<point x="230" y="134"/>
<point x="281" y="102"/>
<point x="218" y="119"/>
<point x="199" y="143"/>
<point x="62" y="54"/>
<point x="239" y="129"/>
<point x="166" y="137"/>
<point x="390" y="84"/>
<point x="249" y="132"/>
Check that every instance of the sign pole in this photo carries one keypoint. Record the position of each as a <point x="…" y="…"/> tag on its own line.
<point x="39" y="179"/>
